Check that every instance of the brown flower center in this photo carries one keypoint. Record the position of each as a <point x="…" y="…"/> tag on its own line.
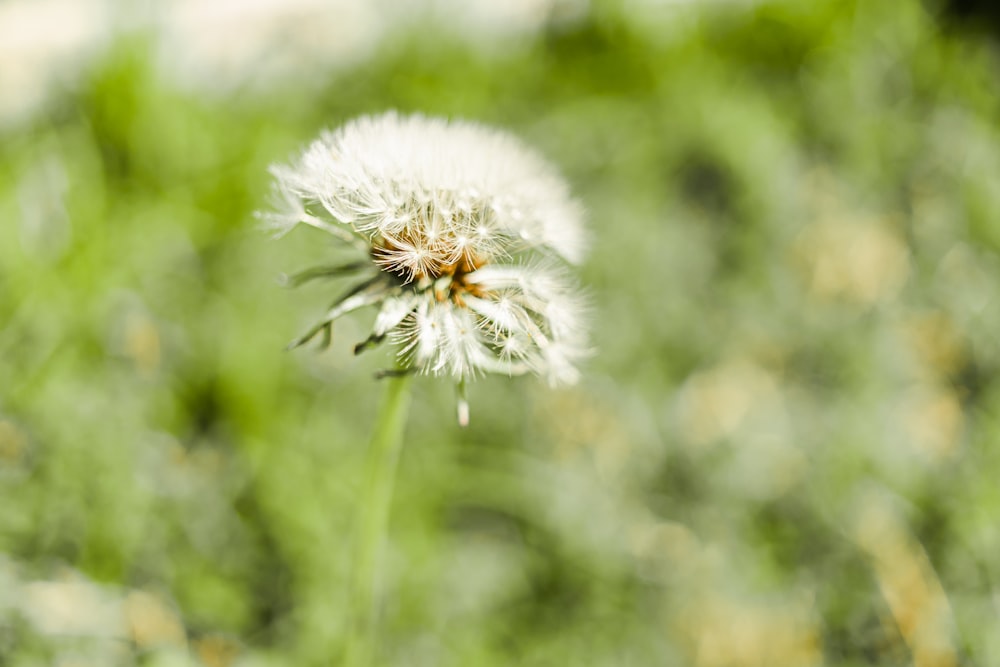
<point x="439" y="265"/>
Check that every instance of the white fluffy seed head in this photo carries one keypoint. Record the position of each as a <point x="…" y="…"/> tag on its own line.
<point x="451" y="214"/>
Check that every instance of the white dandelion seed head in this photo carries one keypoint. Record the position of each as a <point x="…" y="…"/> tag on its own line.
<point x="466" y="229"/>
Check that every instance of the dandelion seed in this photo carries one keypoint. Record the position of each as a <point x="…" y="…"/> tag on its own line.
<point x="466" y="230"/>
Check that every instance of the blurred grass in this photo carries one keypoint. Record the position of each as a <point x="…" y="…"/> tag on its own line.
<point x="782" y="454"/>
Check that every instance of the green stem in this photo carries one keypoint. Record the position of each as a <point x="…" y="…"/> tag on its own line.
<point x="373" y="520"/>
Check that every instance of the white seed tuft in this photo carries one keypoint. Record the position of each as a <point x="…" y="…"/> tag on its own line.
<point x="454" y="217"/>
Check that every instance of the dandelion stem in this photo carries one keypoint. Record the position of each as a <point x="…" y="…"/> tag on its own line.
<point x="373" y="520"/>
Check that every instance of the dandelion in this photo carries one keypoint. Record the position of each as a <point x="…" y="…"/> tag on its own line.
<point x="464" y="235"/>
<point x="466" y="231"/>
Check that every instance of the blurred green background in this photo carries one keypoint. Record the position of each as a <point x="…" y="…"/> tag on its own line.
<point x="783" y="453"/>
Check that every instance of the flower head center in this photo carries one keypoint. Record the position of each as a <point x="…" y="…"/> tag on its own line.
<point x="429" y="261"/>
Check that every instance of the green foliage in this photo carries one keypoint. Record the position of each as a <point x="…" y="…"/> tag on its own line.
<point x="783" y="451"/>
